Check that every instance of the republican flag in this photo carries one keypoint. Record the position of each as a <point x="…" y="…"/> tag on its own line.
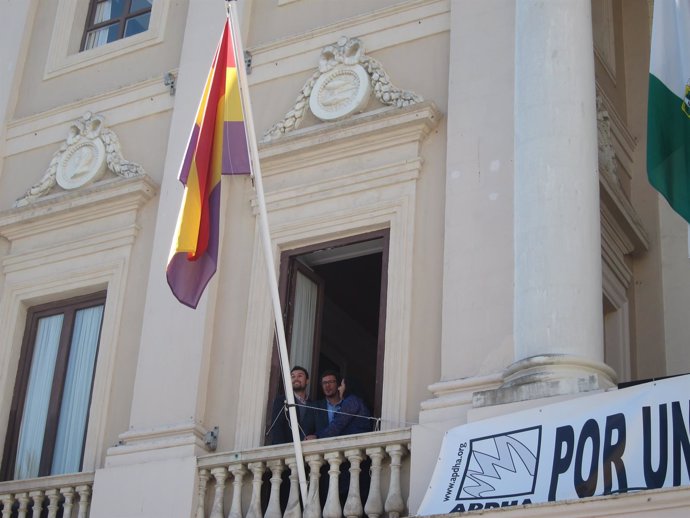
<point x="668" y="125"/>
<point x="217" y="145"/>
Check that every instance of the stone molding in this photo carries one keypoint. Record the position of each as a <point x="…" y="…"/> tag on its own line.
<point x="451" y="398"/>
<point x="63" y="209"/>
<point x="368" y="179"/>
<point x="155" y="439"/>
<point x="604" y="40"/>
<point x="118" y="106"/>
<point x="456" y="393"/>
<point x="623" y="213"/>
<point x="548" y="375"/>
<point x="364" y="133"/>
<point x="63" y="59"/>
<point x="610" y="130"/>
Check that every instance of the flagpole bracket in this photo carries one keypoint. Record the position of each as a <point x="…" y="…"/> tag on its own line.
<point x="248" y="61"/>
<point x="211" y="439"/>
<point x="170" y="80"/>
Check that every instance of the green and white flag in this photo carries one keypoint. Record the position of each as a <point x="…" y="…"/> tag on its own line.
<point x="668" y="126"/>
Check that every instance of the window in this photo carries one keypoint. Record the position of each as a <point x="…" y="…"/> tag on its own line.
<point x="52" y="395"/>
<point x="111" y="20"/>
<point x="334" y="300"/>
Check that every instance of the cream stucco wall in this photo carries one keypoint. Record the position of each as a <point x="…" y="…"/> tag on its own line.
<point x="40" y="94"/>
<point x="676" y="286"/>
<point x="447" y="199"/>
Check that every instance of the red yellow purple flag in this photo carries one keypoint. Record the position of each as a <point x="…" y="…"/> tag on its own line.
<point x="217" y="145"/>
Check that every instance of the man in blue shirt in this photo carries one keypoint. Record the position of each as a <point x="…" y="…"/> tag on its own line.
<point x="340" y="412"/>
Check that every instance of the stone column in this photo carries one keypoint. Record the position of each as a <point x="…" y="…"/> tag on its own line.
<point x="477" y="323"/>
<point x="152" y="469"/>
<point x="558" y="296"/>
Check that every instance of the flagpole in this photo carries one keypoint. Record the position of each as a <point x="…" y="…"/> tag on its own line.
<point x="266" y="241"/>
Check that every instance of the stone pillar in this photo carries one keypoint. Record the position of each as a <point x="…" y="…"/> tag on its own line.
<point x="477" y="323"/>
<point x="557" y="324"/>
<point x="152" y="469"/>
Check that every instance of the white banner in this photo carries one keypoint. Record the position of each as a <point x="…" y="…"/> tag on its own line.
<point x="614" y="442"/>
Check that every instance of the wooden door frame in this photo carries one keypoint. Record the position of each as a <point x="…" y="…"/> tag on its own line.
<point x="68" y="308"/>
<point x="287" y="257"/>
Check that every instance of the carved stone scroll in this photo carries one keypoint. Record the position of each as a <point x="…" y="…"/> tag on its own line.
<point x="88" y="152"/>
<point x="342" y="87"/>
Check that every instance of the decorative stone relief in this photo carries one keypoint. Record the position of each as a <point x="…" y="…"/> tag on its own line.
<point x="89" y="150"/>
<point x="607" y="155"/>
<point x="341" y="87"/>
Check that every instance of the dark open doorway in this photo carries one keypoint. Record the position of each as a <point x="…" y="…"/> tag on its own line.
<point x="334" y="304"/>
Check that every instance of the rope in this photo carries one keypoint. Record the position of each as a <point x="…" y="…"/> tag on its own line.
<point x="377" y="420"/>
<point x="377" y="424"/>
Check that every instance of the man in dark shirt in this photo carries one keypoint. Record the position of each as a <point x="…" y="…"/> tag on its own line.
<point x="280" y="430"/>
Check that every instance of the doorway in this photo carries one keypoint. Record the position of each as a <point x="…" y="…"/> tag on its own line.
<point x="333" y="296"/>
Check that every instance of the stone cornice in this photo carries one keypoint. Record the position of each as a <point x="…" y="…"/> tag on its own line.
<point x="64" y="209"/>
<point x="453" y="393"/>
<point x="117" y="106"/>
<point x="375" y="178"/>
<point x="363" y="133"/>
<point x="623" y="213"/>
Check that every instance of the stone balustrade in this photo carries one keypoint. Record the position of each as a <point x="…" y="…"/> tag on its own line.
<point x="248" y="484"/>
<point x="67" y="496"/>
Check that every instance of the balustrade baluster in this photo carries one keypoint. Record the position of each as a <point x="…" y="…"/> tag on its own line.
<point x="37" y="498"/>
<point x="273" y="509"/>
<point x="201" y="493"/>
<point x="293" y="509"/>
<point x="53" y="499"/>
<point x="257" y="468"/>
<point x="68" y="494"/>
<point x="312" y="507"/>
<point x="353" y="504"/>
<point x="238" y="471"/>
<point x="374" y="506"/>
<point x="349" y="495"/>
<point x="84" y="493"/>
<point x="394" y="502"/>
<point x="332" y="508"/>
<point x="7" y="503"/>
<point x="23" y="499"/>
<point x="219" y="475"/>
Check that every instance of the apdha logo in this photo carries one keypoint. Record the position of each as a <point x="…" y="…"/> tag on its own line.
<point x="502" y="466"/>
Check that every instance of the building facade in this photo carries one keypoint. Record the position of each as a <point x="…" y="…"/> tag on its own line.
<point x="460" y="220"/>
